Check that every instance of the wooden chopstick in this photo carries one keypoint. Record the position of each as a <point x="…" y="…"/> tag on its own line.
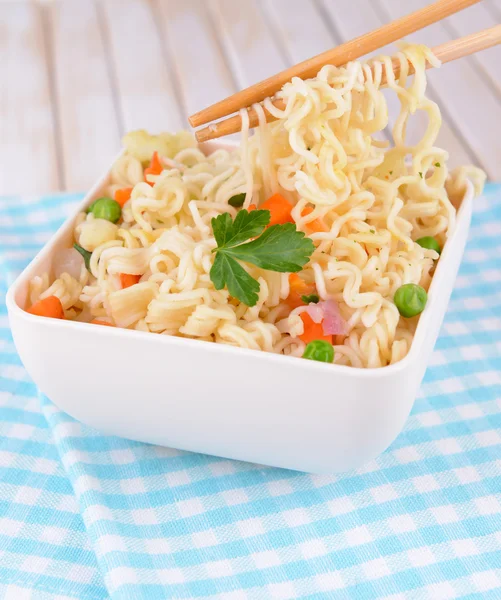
<point x="447" y="52"/>
<point x="338" y="56"/>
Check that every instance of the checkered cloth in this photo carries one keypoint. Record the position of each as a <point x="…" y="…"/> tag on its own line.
<point x="422" y="521"/>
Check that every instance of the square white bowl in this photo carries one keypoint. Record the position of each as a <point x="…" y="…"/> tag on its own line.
<point x="218" y="399"/>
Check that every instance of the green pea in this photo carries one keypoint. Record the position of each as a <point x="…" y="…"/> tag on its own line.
<point x="430" y="243"/>
<point x="85" y="253"/>
<point x="237" y="201"/>
<point x="312" y="298"/>
<point x="106" y="208"/>
<point x="410" y="299"/>
<point x="319" y="350"/>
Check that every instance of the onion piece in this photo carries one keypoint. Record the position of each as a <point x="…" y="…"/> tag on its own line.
<point x="316" y="311"/>
<point x="68" y="261"/>
<point x="333" y="323"/>
<point x="327" y="313"/>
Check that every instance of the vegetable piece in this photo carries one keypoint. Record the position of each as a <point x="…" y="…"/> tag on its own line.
<point x="85" y="253"/>
<point x="319" y="350"/>
<point x="312" y="331"/>
<point x="280" y="248"/>
<point x="237" y="201"/>
<point x="316" y="312"/>
<point x="227" y="271"/>
<point x="430" y="243"/>
<point x="332" y="323"/>
<point x="68" y="261"/>
<point x="316" y="225"/>
<point x="252" y="207"/>
<point x="311" y="299"/>
<point x="127" y="280"/>
<point x="298" y="288"/>
<point x="141" y="145"/>
<point x="48" y="307"/>
<point x="280" y="210"/>
<point x="94" y="232"/>
<point x="99" y="322"/>
<point x="410" y="299"/>
<point x="155" y="168"/>
<point x="106" y="208"/>
<point x="122" y="196"/>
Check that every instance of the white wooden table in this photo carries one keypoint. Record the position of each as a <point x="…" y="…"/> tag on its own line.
<point x="76" y="74"/>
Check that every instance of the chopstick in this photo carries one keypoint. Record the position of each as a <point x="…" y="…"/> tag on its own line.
<point x="338" y="56"/>
<point x="447" y="52"/>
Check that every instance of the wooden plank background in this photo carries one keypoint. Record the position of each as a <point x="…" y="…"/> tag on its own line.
<point x="77" y="74"/>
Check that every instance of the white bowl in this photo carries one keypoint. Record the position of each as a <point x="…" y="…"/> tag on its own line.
<point x="217" y="399"/>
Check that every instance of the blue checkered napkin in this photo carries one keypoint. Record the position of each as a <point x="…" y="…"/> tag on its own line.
<point x="421" y="522"/>
<point x="44" y="548"/>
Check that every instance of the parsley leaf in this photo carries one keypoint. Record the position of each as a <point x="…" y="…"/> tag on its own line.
<point x="279" y="248"/>
<point x="226" y="271"/>
<point x="229" y="233"/>
<point x="312" y="298"/>
<point x="222" y="228"/>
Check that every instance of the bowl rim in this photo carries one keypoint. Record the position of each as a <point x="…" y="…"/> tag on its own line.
<point x="388" y="370"/>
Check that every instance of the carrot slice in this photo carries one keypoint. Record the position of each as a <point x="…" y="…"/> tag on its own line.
<point x="316" y="225"/>
<point x="155" y="167"/>
<point x="312" y="331"/>
<point x="98" y="322"/>
<point x="280" y="210"/>
<point x="127" y="280"/>
<point x="123" y="195"/>
<point x="297" y="288"/>
<point x="252" y="207"/>
<point x="48" y="307"/>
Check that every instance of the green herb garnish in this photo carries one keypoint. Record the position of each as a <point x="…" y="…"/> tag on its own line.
<point x="280" y="248"/>
<point x="421" y="174"/>
<point x="312" y="298"/>
<point x="391" y="172"/>
<point x="372" y="230"/>
<point x="237" y="201"/>
<point x="85" y="253"/>
<point x="437" y="164"/>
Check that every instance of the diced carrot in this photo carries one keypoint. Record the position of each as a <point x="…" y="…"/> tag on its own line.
<point x="99" y="322"/>
<point x="312" y="331"/>
<point x="123" y="195"/>
<point x="316" y="225"/>
<point x="252" y="207"/>
<point x="280" y="210"/>
<point x="127" y="280"/>
<point x="155" y="167"/>
<point x="297" y="288"/>
<point x="48" y="307"/>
